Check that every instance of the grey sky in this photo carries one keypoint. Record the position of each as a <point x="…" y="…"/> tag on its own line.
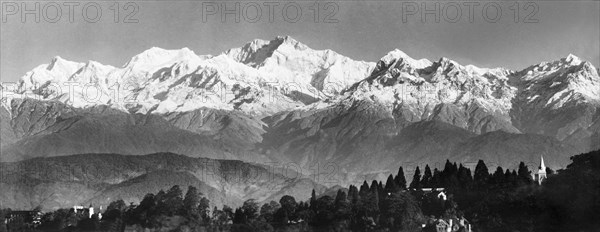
<point x="366" y="30"/>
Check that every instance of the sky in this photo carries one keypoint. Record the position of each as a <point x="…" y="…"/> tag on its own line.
<point x="362" y="30"/>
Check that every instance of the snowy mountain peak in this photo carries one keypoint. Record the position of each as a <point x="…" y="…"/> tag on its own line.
<point x="92" y="64"/>
<point x="58" y="62"/>
<point x="288" y="40"/>
<point x="257" y="51"/>
<point x="445" y="63"/>
<point x="156" y="56"/>
<point x="483" y="71"/>
<point x="588" y="67"/>
<point x="54" y="61"/>
<point x="572" y="59"/>
<point x="569" y="64"/>
<point x="445" y="60"/>
<point x="567" y="81"/>
<point x="398" y="55"/>
<point x="58" y="69"/>
<point x="289" y="62"/>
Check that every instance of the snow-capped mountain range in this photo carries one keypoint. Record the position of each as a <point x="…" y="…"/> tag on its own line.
<point x="262" y="77"/>
<point x="281" y="100"/>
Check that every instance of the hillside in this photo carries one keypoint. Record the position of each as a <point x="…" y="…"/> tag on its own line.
<point x="101" y="178"/>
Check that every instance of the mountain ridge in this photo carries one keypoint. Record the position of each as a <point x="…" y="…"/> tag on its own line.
<point x="281" y="101"/>
<point x="99" y="179"/>
<point x="269" y="56"/>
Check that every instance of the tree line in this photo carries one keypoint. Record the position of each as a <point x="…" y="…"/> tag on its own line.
<point x="503" y="200"/>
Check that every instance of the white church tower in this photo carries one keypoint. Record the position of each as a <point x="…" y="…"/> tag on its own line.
<point x="541" y="174"/>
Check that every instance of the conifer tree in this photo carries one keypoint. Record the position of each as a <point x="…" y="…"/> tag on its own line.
<point x="481" y="175"/>
<point x="353" y="195"/>
<point x="498" y="176"/>
<point x="436" y="179"/>
<point x="400" y="179"/>
<point x="524" y="175"/>
<point x="426" y="181"/>
<point x="416" y="182"/>
<point x="341" y="205"/>
<point x="390" y="185"/>
<point x="191" y="202"/>
<point x="464" y="177"/>
<point x="374" y="185"/>
<point x="364" y="189"/>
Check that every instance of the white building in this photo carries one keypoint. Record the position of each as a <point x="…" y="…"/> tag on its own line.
<point x="541" y="173"/>
<point x="88" y="212"/>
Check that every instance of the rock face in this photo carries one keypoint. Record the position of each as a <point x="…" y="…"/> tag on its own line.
<point x="283" y="102"/>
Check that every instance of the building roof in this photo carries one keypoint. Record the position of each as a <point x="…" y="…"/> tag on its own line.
<point x="542" y="165"/>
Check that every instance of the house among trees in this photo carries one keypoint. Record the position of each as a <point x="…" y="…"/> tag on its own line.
<point x="452" y="226"/>
<point x="86" y="212"/>
<point x="440" y="192"/>
<point x="27" y="217"/>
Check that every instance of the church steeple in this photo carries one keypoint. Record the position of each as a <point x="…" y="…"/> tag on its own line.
<point x="541" y="175"/>
<point x="542" y="165"/>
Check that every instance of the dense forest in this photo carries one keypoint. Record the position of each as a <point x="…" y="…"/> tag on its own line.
<point x="499" y="200"/>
